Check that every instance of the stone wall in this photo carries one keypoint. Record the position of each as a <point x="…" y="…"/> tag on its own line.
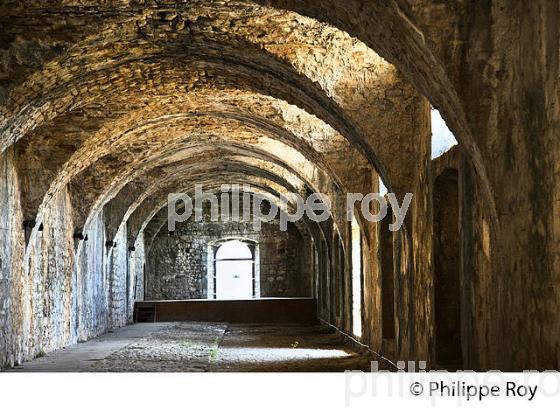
<point x="291" y="96"/>
<point x="55" y="290"/>
<point x="92" y="282"/>
<point x="12" y="242"/>
<point x="137" y="264"/>
<point x="120" y="288"/>
<point x="502" y="58"/>
<point x="177" y="267"/>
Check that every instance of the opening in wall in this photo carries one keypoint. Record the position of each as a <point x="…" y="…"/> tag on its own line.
<point x="447" y="286"/>
<point x="337" y="287"/>
<point x="356" y="278"/>
<point x="323" y="276"/>
<point x="341" y="283"/>
<point x="442" y="137"/>
<point x="234" y="278"/>
<point x="387" y="277"/>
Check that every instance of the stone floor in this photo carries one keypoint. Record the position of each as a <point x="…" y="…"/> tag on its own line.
<point x="204" y="347"/>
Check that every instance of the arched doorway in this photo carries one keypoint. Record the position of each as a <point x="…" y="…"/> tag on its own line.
<point x="234" y="271"/>
<point x="447" y="281"/>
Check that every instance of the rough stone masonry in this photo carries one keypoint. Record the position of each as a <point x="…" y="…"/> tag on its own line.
<point x="108" y="106"/>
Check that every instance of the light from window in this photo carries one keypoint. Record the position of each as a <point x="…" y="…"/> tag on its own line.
<point x="234" y="271"/>
<point x="442" y="137"/>
<point x="356" y="279"/>
<point x="382" y="188"/>
<point x="234" y="250"/>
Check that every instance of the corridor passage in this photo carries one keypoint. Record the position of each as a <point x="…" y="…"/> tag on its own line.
<point x="393" y="163"/>
<point x="203" y="347"/>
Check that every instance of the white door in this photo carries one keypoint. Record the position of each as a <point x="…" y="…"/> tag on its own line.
<point x="234" y="279"/>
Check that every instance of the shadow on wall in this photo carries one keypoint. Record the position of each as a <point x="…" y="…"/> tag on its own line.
<point x="446" y="270"/>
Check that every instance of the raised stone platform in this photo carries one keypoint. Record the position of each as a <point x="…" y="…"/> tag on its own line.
<point x="265" y="310"/>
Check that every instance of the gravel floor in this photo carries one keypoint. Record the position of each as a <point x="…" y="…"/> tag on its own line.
<point x="207" y="347"/>
<point x="285" y="349"/>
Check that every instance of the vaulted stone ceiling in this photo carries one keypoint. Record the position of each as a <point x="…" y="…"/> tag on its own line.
<point x="107" y="106"/>
<point x="148" y="86"/>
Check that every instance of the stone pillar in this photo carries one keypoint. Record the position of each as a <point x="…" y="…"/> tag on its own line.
<point x="508" y="82"/>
